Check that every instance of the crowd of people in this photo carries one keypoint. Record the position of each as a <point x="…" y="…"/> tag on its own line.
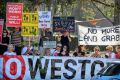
<point x="80" y="51"/>
<point x="62" y="47"/>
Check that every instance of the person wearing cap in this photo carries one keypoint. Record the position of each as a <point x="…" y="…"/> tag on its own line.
<point x="10" y="50"/>
<point x="118" y="52"/>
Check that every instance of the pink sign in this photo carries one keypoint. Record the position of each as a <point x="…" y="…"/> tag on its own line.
<point x="14" y="14"/>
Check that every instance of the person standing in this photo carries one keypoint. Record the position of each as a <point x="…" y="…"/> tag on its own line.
<point x="64" y="51"/>
<point x="47" y="52"/>
<point x="56" y="51"/>
<point x="10" y="50"/>
<point x="118" y="52"/>
<point x="5" y="37"/>
<point x="81" y="51"/>
<point x="16" y="37"/>
<point x="109" y="52"/>
<point x="46" y="35"/>
<point x="16" y="40"/>
<point x="65" y="40"/>
<point x="97" y="53"/>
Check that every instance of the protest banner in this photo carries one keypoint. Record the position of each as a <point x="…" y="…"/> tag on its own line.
<point x="49" y="44"/>
<point x="63" y="24"/>
<point x="1" y="29"/>
<point x="44" y="19"/>
<point x="99" y="36"/>
<point x="29" y="24"/>
<point x="48" y="68"/>
<point x="14" y="14"/>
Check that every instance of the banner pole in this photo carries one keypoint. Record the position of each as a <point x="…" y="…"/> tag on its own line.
<point x="29" y="41"/>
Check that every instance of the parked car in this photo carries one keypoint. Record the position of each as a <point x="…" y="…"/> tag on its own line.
<point x="110" y="72"/>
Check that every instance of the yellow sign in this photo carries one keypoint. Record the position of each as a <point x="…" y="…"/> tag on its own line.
<point x="30" y="24"/>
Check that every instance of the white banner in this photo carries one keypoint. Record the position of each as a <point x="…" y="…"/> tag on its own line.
<point x="99" y="36"/>
<point x="49" y="68"/>
<point x="44" y="19"/>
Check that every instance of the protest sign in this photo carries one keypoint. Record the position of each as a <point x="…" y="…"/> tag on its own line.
<point x="63" y="24"/>
<point x="1" y="29"/>
<point x="14" y="14"/>
<point x="29" y="24"/>
<point x="44" y="19"/>
<point x="49" y="44"/>
<point x="48" y="68"/>
<point x="99" y="36"/>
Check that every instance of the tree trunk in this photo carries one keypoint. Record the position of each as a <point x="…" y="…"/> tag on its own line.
<point x="117" y="13"/>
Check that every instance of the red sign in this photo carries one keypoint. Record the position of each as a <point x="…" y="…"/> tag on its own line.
<point x="14" y="14"/>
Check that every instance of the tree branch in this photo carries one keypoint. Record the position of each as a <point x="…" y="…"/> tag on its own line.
<point x="101" y="12"/>
<point x="103" y="3"/>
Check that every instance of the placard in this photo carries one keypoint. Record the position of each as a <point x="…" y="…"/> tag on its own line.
<point x="30" y="24"/>
<point x="99" y="36"/>
<point x="49" y="68"/>
<point x="49" y="44"/>
<point x="63" y="24"/>
<point x="44" y="19"/>
<point x="14" y="14"/>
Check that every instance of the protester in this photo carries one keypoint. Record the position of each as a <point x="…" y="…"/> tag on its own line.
<point x="64" y="51"/>
<point x="65" y="39"/>
<point x="47" y="52"/>
<point x="3" y="48"/>
<point x="10" y="50"/>
<point x="41" y="49"/>
<point x="118" y="52"/>
<point x="96" y="53"/>
<point x="16" y="37"/>
<point x="16" y="40"/>
<point x="26" y="50"/>
<point x="109" y="52"/>
<point x="56" y="51"/>
<point x="81" y="52"/>
<point x="76" y="52"/>
<point x="46" y="35"/>
<point x="5" y="37"/>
